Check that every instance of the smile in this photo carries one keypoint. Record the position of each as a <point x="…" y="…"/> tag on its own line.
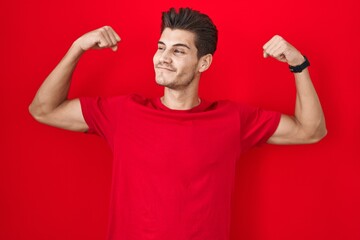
<point x="168" y="69"/>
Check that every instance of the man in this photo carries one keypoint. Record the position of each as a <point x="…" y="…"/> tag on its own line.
<point x="175" y="156"/>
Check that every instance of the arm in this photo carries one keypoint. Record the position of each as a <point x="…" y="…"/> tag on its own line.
<point x="308" y="123"/>
<point x="50" y="104"/>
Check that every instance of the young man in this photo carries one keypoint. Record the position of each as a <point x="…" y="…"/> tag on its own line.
<point x="175" y="156"/>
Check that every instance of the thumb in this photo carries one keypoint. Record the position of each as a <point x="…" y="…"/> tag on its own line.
<point x="265" y="55"/>
<point x="114" y="48"/>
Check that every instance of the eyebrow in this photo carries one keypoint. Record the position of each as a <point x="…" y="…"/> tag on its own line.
<point x="176" y="45"/>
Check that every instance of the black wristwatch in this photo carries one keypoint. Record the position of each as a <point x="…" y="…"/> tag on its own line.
<point x="301" y="67"/>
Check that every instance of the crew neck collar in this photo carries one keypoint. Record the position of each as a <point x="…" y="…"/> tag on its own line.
<point x="200" y="107"/>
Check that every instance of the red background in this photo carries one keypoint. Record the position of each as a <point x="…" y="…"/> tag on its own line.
<point x="55" y="184"/>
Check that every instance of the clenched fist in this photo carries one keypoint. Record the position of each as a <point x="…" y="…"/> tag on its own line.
<point x="283" y="51"/>
<point x="104" y="37"/>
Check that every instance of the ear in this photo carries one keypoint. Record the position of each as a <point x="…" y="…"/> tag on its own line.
<point x="205" y="62"/>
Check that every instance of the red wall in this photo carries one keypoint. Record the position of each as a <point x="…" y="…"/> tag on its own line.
<point x="55" y="184"/>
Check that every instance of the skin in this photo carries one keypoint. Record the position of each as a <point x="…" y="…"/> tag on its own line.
<point x="307" y="125"/>
<point x="178" y="69"/>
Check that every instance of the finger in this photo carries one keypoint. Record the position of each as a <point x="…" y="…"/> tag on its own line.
<point x="266" y="47"/>
<point x="271" y="45"/>
<point x="275" y="48"/>
<point x="267" y="44"/>
<point x="279" y="54"/>
<point x="282" y="58"/>
<point x="107" y="38"/>
<point x="265" y="55"/>
<point x="114" y="48"/>
<point x="112" y="37"/>
<point x="269" y="50"/>
<point x="270" y="42"/>
<point x="102" y="41"/>
<point x="114" y="34"/>
<point x="280" y="50"/>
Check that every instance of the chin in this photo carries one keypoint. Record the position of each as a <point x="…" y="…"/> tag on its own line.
<point x="162" y="82"/>
<point x="166" y="84"/>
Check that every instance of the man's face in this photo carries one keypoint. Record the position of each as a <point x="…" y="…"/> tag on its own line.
<point x="176" y="63"/>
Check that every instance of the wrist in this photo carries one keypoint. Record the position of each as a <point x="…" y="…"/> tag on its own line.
<point x="77" y="45"/>
<point x="298" y="68"/>
<point x="75" y="52"/>
<point x="297" y="61"/>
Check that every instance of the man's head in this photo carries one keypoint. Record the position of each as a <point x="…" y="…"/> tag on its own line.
<point x="206" y="34"/>
<point x="187" y="42"/>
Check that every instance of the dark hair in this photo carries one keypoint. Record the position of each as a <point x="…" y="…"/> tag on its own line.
<point x="206" y="34"/>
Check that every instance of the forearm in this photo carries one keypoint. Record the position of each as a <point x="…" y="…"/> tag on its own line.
<point x="54" y="90"/>
<point x="308" y="123"/>
<point x="308" y="110"/>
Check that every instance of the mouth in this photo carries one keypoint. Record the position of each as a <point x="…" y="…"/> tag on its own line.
<point x="165" y="68"/>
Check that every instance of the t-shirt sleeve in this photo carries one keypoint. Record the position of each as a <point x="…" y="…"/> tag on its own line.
<point x="257" y="125"/>
<point x="101" y="115"/>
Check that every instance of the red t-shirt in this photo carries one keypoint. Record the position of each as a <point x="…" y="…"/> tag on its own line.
<point x="173" y="170"/>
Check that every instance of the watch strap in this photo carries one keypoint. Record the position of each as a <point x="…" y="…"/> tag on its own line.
<point x="301" y="67"/>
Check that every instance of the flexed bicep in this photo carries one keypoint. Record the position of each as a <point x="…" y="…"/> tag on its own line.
<point x="67" y="115"/>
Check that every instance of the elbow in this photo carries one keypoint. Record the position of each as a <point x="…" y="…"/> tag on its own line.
<point x="317" y="135"/>
<point x="33" y="112"/>
<point x="36" y="112"/>
<point x="321" y="130"/>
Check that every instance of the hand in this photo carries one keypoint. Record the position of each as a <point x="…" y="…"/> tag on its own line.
<point x="104" y="37"/>
<point x="283" y="51"/>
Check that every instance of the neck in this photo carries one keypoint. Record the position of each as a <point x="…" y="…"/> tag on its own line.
<point x="180" y="99"/>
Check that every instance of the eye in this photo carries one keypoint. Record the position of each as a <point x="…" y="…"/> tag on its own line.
<point x="179" y="51"/>
<point x="161" y="48"/>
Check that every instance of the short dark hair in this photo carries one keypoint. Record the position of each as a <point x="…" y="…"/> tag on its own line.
<point x="206" y="34"/>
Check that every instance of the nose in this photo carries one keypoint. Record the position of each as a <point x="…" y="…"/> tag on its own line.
<point x="165" y="57"/>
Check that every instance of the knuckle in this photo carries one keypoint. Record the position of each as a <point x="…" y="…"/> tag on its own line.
<point x="279" y="38"/>
<point x="104" y="44"/>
